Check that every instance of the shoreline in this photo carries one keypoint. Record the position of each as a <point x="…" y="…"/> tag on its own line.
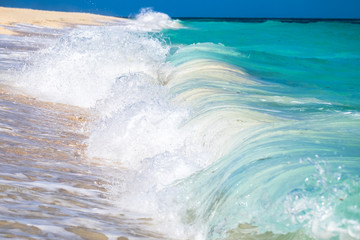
<point x="50" y="19"/>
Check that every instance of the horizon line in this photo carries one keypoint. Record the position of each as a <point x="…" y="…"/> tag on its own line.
<point x="261" y="18"/>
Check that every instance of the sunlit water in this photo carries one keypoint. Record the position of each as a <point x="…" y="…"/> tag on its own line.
<point x="161" y="129"/>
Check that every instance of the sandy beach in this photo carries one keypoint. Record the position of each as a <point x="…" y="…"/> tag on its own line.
<point x="52" y="19"/>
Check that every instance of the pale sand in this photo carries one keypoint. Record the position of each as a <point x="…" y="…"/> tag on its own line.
<point x="52" y="19"/>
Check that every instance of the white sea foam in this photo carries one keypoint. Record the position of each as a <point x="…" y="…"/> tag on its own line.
<point x="82" y="66"/>
<point x="118" y="72"/>
<point x="141" y="130"/>
<point x="155" y="21"/>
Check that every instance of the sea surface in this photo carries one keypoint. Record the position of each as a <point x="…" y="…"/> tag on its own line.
<point x="157" y="128"/>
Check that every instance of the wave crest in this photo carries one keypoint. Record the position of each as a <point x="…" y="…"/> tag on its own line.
<point x="155" y="21"/>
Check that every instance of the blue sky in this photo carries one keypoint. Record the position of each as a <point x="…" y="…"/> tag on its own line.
<point x="203" y="8"/>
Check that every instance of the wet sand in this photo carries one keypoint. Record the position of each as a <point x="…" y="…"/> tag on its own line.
<point x="48" y="188"/>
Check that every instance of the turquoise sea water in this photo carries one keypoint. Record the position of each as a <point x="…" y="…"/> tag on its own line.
<point x="292" y="170"/>
<point x="212" y="129"/>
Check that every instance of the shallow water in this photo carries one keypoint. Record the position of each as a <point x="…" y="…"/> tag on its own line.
<point x="48" y="189"/>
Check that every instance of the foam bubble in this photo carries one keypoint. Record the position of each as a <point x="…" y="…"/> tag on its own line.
<point x="155" y="21"/>
<point x="141" y="130"/>
<point x="82" y="66"/>
<point x="117" y="72"/>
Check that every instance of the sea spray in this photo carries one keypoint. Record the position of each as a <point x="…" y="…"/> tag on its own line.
<point x="83" y="65"/>
<point x="149" y="20"/>
<point x="229" y="139"/>
<point x="118" y="72"/>
<point x="143" y="135"/>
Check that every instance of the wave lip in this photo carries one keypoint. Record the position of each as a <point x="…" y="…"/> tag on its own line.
<point x="149" y="20"/>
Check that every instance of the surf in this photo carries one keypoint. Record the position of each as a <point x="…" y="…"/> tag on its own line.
<point x="195" y="138"/>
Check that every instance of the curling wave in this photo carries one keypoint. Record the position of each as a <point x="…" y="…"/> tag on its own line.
<point x="205" y="148"/>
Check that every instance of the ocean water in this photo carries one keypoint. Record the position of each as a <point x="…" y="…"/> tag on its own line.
<point x="156" y="128"/>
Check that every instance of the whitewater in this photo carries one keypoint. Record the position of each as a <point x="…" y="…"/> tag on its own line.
<point x="156" y="128"/>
